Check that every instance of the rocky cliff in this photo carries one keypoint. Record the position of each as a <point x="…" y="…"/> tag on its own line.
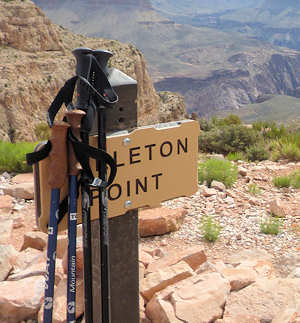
<point x="36" y="60"/>
<point x="253" y="77"/>
<point x="96" y="3"/>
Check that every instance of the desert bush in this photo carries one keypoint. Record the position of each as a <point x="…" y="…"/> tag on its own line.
<point x="210" y="229"/>
<point x="42" y="131"/>
<point x="295" y="179"/>
<point x="220" y="170"/>
<point x="228" y="139"/>
<point x="257" y="152"/>
<point x="254" y="189"/>
<point x="282" y="181"/>
<point x="290" y="151"/>
<point x="234" y="156"/>
<point x="13" y="156"/>
<point x="271" y="225"/>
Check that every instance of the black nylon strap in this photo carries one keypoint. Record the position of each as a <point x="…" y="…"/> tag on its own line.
<point x="83" y="152"/>
<point x="65" y="96"/>
<point x="38" y="155"/>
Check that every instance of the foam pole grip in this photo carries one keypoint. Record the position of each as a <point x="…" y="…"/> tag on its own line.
<point x="74" y="119"/>
<point x="58" y="166"/>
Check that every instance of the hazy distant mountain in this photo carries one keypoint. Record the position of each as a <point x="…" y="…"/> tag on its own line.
<point x="185" y="7"/>
<point x="219" y="54"/>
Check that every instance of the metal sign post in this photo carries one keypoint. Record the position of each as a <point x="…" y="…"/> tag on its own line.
<point x="123" y="230"/>
<point x="155" y="163"/>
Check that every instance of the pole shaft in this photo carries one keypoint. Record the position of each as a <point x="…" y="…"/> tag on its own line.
<point x="103" y="221"/>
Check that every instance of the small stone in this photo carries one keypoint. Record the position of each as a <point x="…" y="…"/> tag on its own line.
<point x="207" y="192"/>
<point x="242" y="171"/>
<point x="218" y="186"/>
<point x="20" y="191"/>
<point x="164" y="277"/>
<point x="6" y="203"/>
<point x="35" y="240"/>
<point x="23" y="178"/>
<point x="277" y="208"/>
<point x="159" y="221"/>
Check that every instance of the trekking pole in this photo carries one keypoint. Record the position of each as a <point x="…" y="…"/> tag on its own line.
<point x="84" y="59"/>
<point x="57" y="175"/>
<point x="110" y="96"/>
<point x="74" y="119"/>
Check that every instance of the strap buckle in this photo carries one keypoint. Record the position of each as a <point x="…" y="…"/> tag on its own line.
<point x="99" y="183"/>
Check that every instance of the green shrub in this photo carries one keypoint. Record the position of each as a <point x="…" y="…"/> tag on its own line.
<point x="234" y="156"/>
<point x="295" y="179"/>
<point x="226" y="139"/>
<point x="210" y="229"/>
<point x="282" y="181"/>
<point x="254" y="189"/>
<point x="290" y="151"/>
<point x="13" y="156"/>
<point x="257" y="153"/>
<point x="42" y="131"/>
<point x="220" y="170"/>
<point x="271" y="225"/>
<point x="205" y="124"/>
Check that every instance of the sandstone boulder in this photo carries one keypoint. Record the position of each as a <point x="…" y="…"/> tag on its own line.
<point x="6" y="254"/>
<point x="23" y="178"/>
<point x="60" y="302"/>
<point x="35" y="239"/>
<point x="6" y="226"/>
<point x="198" y="299"/>
<point x="159" y="221"/>
<point x="20" y="300"/>
<point x="6" y="203"/>
<point x="277" y="208"/>
<point x="156" y="281"/>
<point x="263" y="299"/>
<point x="193" y="256"/>
<point x="239" y="277"/>
<point x="20" y="191"/>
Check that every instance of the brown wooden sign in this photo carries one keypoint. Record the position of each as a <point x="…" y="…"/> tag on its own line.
<point x="155" y="164"/>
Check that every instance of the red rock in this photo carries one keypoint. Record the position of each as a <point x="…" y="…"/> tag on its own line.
<point x="6" y="254"/>
<point x="239" y="277"/>
<point x="262" y="268"/>
<point x="60" y="302"/>
<point x="288" y="315"/>
<point x="6" y="226"/>
<point x="198" y="299"/>
<point x="35" y="240"/>
<point x="161" y="311"/>
<point x="159" y="221"/>
<point x="263" y="299"/>
<point x="145" y="258"/>
<point x="62" y="245"/>
<point x="164" y="277"/>
<point x="278" y="208"/>
<point x="243" y="318"/>
<point x="20" y="191"/>
<point x="79" y="259"/>
<point x="23" y="178"/>
<point x="6" y="203"/>
<point x="193" y="256"/>
<point x="20" y="300"/>
<point x="27" y="258"/>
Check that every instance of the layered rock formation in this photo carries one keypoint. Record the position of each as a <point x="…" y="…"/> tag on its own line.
<point x="98" y="3"/>
<point x="252" y="77"/>
<point x="36" y="60"/>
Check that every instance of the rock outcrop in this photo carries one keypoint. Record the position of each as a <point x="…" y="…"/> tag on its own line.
<point x="252" y="77"/>
<point x="98" y="3"/>
<point x="36" y="60"/>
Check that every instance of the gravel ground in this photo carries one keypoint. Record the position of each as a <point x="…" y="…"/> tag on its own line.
<point x="240" y="213"/>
